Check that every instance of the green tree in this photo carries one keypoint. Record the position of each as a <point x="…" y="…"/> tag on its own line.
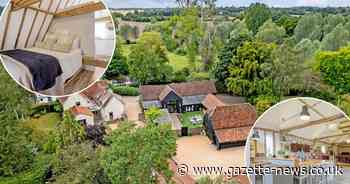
<point x="68" y="132"/>
<point x="335" y="69"/>
<point x="246" y="74"/>
<point x="148" y="62"/>
<point x="256" y="15"/>
<point x="331" y="22"/>
<point x="78" y="163"/>
<point x="339" y="37"/>
<point x="271" y="33"/>
<point x="288" y="23"/>
<point x="310" y="27"/>
<point x="118" y="65"/>
<point x="238" y="36"/>
<point x="16" y="151"/>
<point x="288" y="68"/>
<point x="152" y="115"/>
<point x="307" y="49"/>
<point x="139" y="155"/>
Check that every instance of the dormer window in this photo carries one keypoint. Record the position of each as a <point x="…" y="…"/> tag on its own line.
<point x="77" y="103"/>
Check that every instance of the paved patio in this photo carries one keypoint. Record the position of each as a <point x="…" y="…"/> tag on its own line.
<point x="198" y="151"/>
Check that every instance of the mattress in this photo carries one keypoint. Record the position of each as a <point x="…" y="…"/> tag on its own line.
<point x="70" y="64"/>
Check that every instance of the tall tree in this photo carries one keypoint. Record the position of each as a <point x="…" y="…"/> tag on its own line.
<point x="78" y="163"/>
<point x="310" y="27"/>
<point x="148" y="62"/>
<point x="139" y="155"/>
<point x="256" y="15"/>
<point x="307" y="48"/>
<point x="336" y="39"/>
<point x="118" y="65"/>
<point x="248" y="74"/>
<point x="238" y="36"/>
<point x="271" y="33"/>
<point x="331" y="22"/>
<point x="15" y="147"/>
<point x="335" y="69"/>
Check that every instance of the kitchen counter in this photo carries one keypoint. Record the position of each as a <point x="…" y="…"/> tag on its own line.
<point x="286" y="162"/>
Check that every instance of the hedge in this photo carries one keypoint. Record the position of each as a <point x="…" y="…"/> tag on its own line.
<point x="125" y="90"/>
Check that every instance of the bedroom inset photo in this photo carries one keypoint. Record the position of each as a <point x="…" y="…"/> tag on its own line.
<point x="56" y="47"/>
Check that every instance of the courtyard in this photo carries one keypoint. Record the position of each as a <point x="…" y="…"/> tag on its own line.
<point x="197" y="151"/>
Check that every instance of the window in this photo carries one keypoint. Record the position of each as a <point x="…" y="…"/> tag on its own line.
<point x="83" y="121"/>
<point x="269" y="144"/>
<point x="77" y="103"/>
<point x="111" y="115"/>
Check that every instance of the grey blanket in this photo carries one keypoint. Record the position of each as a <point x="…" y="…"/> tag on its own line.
<point x="44" y="68"/>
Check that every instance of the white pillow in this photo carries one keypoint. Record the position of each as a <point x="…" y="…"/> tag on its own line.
<point x="64" y="44"/>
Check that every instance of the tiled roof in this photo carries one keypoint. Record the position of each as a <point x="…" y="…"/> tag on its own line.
<point x="233" y="116"/>
<point x="153" y="92"/>
<point x="211" y="101"/>
<point x="79" y="110"/>
<point x="233" y="134"/>
<point x="166" y="90"/>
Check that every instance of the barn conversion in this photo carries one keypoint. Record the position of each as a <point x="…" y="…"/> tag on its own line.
<point x="228" y="126"/>
<point x="177" y="97"/>
<point x="53" y="46"/>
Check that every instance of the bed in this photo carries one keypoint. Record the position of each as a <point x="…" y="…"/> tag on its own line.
<point x="70" y="62"/>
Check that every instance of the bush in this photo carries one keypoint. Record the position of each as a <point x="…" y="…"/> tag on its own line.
<point x="37" y="174"/>
<point x="263" y="102"/>
<point x="125" y="90"/>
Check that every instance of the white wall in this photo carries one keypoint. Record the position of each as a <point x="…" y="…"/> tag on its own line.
<point x="89" y="119"/>
<point x="83" y="26"/>
<point x="115" y="106"/>
<point x="72" y="100"/>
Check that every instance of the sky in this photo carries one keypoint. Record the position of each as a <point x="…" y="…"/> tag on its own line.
<point x="274" y="3"/>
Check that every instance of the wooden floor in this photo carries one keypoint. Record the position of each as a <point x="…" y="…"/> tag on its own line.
<point x="80" y="81"/>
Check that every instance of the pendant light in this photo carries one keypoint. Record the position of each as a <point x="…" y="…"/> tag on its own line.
<point x="255" y="135"/>
<point x="305" y="115"/>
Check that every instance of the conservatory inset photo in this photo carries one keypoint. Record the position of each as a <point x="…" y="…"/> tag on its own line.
<point x="300" y="132"/>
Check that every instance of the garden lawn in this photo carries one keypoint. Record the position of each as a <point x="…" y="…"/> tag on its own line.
<point x="186" y="119"/>
<point x="178" y="62"/>
<point x="45" y="123"/>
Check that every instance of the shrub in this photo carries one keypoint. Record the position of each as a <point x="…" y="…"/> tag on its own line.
<point x="125" y="90"/>
<point x="37" y="174"/>
<point x="263" y="102"/>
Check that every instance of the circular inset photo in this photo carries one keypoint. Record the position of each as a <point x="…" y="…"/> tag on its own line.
<point x="56" y="47"/>
<point x="300" y="133"/>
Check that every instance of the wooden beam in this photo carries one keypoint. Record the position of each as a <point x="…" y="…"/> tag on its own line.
<point x="31" y="27"/>
<point x="43" y="22"/>
<point x="24" y="4"/>
<point x="81" y="9"/>
<point x="40" y="10"/>
<point x="312" y="107"/>
<point x="8" y="19"/>
<point x="315" y="122"/>
<point x="332" y="136"/>
<point x="20" y="27"/>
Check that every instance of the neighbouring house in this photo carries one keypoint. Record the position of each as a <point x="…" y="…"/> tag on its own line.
<point x="102" y="102"/>
<point x="229" y="126"/>
<point x="83" y="115"/>
<point x="212" y="101"/>
<point x="177" y="97"/>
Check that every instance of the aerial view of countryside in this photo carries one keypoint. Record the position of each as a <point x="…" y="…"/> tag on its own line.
<point x="186" y="84"/>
